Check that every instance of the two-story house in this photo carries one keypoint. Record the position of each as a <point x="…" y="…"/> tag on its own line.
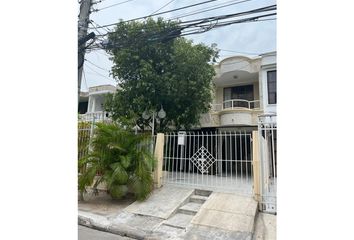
<point x="245" y="88"/>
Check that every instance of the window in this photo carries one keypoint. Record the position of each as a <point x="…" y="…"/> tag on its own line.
<point x="272" y="87"/>
<point x="240" y="92"/>
<point x="83" y="107"/>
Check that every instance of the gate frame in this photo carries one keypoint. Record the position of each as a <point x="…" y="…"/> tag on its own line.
<point x="267" y="122"/>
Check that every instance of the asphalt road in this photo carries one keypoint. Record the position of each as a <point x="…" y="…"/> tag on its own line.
<point x="91" y="234"/>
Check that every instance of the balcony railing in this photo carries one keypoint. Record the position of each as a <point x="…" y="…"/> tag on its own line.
<point x="97" y="116"/>
<point x="236" y="104"/>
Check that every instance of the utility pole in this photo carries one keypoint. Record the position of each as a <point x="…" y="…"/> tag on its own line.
<point x="84" y="16"/>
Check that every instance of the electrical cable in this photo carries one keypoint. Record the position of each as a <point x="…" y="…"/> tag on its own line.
<point x="151" y="15"/>
<point x="198" y="11"/>
<point x="193" y="31"/>
<point x="257" y="10"/>
<point x="99" y="73"/>
<point x="228" y="23"/>
<point x="207" y="9"/>
<point x="99" y="26"/>
<point x="95" y="28"/>
<point x="96" y="65"/>
<point x="220" y="17"/>
<point x="207" y="23"/>
<point x="113" y="5"/>
<point x="163" y="7"/>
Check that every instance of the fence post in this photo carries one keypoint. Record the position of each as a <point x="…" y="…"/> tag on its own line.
<point x="256" y="166"/>
<point x="159" y="157"/>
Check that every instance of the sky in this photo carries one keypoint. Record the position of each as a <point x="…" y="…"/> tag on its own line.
<point x="239" y="39"/>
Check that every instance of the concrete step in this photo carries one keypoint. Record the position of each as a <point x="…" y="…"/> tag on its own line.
<point x="179" y="220"/>
<point x="201" y="192"/>
<point x="190" y="208"/>
<point x="198" y="199"/>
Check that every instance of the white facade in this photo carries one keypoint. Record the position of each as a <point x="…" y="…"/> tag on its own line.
<point x="91" y="102"/>
<point x="241" y="92"/>
<point x="269" y="63"/>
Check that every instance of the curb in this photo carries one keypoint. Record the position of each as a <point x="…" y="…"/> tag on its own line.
<point x="103" y="224"/>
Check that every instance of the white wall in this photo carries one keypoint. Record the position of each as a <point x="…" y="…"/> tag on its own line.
<point x="268" y="63"/>
<point x="95" y="103"/>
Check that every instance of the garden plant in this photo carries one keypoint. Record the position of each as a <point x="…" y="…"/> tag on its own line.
<point x="119" y="159"/>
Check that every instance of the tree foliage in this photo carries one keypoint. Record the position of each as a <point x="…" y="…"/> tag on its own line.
<point x="155" y="69"/>
<point x="123" y="161"/>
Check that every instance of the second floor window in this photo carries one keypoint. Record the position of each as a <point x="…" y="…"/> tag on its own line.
<point x="240" y="92"/>
<point x="272" y="87"/>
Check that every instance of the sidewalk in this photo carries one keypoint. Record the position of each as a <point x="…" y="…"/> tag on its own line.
<point x="265" y="228"/>
<point x="103" y="204"/>
<point x="174" y="213"/>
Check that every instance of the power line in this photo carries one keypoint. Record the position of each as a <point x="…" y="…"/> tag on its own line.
<point x="99" y="73"/>
<point x="177" y="16"/>
<point x="96" y="65"/>
<point x="113" y="5"/>
<point x="253" y="19"/>
<point x="95" y="28"/>
<point x="207" y="9"/>
<point x="203" y="22"/>
<point x="207" y="26"/>
<point x="226" y="23"/>
<point x="162" y="7"/>
<point x="151" y="15"/>
<point x="214" y="7"/>
<point x="257" y="10"/>
<point x="199" y="22"/>
<point x="202" y="26"/>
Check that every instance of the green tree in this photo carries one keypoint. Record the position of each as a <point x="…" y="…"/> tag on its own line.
<point x="122" y="159"/>
<point x="155" y="68"/>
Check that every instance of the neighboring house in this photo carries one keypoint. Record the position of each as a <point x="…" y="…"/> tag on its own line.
<point x="91" y="102"/>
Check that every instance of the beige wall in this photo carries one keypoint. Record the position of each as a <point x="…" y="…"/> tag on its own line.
<point x="219" y="95"/>
<point x="256" y="91"/>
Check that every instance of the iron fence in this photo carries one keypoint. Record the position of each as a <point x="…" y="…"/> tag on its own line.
<point x="209" y="160"/>
<point x="86" y="132"/>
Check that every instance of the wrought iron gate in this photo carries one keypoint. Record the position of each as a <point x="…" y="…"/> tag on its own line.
<point x="209" y="160"/>
<point x="267" y="129"/>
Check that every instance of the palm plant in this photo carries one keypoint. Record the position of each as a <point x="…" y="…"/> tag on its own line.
<point x="123" y="161"/>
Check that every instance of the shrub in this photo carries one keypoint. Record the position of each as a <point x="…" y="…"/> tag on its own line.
<point x="122" y="159"/>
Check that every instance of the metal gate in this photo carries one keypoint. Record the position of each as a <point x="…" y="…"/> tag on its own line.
<point x="209" y="160"/>
<point x="267" y="128"/>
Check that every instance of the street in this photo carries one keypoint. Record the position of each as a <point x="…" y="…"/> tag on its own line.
<point x="91" y="234"/>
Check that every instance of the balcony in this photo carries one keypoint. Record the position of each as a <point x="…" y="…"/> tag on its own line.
<point x="237" y="112"/>
<point x="236" y="104"/>
<point x="98" y="116"/>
